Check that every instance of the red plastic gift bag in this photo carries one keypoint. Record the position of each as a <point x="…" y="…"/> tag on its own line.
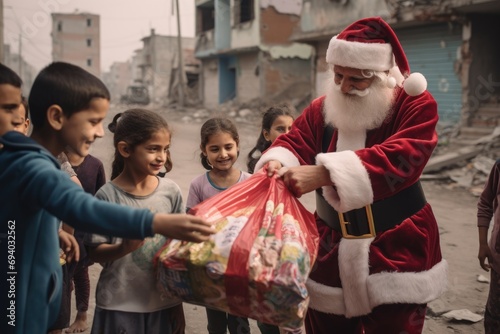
<point x="257" y="264"/>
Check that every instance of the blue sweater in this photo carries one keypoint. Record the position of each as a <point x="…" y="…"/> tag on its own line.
<point x="34" y="196"/>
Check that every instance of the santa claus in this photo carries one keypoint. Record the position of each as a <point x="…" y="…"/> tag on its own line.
<point x="379" y="260"/>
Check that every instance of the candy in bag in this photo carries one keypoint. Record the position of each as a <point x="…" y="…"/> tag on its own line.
<point x="257" y="263"/>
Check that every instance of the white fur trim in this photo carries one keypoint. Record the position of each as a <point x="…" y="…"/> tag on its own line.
<point x="281" y="154"/>
<point x="354" y="271"/>
<point x="385" y="288"/>
<point x="364" y="56"/>
<point x="352" y="183"/>
<point x="325" y="298"/>
<point x="421" y="287"/>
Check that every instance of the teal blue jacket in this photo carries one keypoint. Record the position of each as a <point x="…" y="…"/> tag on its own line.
<point x="34" y="196"/>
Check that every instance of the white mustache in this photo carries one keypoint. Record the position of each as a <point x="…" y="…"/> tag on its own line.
<point x="357" y="92"/>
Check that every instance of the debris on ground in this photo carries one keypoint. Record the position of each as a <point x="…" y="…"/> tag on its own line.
<point x="482" y="279"/>
<point x="462" y="315"/>
<point x="466" y="164"/>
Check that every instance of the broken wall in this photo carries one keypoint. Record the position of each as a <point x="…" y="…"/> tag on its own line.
<point x="285" y="78"/>
<point x="276" y="27"/>
<point x="248" y="77"/>
<point x="246" y="34"/>
<point x="320" y="15"/>
<point x="484" y="71"/>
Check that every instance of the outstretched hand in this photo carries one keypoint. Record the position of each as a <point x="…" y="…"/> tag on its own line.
<point x="182" y="227"/>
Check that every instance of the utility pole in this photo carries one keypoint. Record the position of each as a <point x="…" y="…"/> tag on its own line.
<point x="1" y="31"/>
<point x="180" y="68"/>
<point x="20" y="59"/>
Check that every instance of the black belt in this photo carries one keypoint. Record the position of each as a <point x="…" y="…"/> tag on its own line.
<point x="377" y="217"/>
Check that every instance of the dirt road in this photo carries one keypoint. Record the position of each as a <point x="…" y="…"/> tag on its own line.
<point x="454" y="207"/>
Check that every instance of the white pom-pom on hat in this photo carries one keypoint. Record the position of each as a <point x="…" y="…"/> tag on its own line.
<point x="415" y="84"/>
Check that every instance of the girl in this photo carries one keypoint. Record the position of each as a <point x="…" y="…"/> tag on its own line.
<point x="219" y="151"/>
<point x="127" y="299"/>
<point x="275" y="121"/>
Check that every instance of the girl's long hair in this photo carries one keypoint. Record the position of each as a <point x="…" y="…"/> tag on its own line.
<point x="135" y="126"/>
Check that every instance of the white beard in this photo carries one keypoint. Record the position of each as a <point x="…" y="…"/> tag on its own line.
<point x="354" y="113"/>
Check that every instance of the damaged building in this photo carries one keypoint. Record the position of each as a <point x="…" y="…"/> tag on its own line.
<point x="247" y="54"/>
<point x="153" y="71"/>
<point x="452" y="43"/>
<point x="158" y="61"/>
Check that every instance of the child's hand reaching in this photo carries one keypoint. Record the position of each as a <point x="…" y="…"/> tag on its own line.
<point x="182" y="227"/>
<point x="69" y="245"/>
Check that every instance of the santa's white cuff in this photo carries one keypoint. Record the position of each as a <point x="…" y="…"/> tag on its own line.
<point x="383" y="288"/>
<point x="353" y="188"/>
<point x="281" y="154"/>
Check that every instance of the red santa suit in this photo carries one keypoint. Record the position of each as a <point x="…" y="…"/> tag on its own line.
<point x="402" y="265"/>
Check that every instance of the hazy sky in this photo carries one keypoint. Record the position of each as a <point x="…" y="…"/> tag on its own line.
<point x="123" y="24"/>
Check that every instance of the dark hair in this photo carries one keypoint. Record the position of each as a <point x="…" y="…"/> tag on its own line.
<point x="24" y="102"/>
<point x="262" y="144"/>
<point x="135" y="126"/>
<point x="9" y="77"/>
<point x="212" y="127"/>
<point x="66" y="85"/>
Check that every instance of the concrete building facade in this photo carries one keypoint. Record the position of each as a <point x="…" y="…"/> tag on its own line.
<point x="76" y="40"/>
<point x="117" y="79"/>
<point x="156" y="65"/>
<point x="246" y="52"/>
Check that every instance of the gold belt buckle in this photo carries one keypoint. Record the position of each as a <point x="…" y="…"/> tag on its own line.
<point x="371" y="225"/>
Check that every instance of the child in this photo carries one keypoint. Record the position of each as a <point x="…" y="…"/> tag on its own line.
<point x="219" y="151"/>
<point x="67" y="106"/>
<point x="10" y="99"/>
<point x="275" y="121"/>
<point x="90" y="172"/>
<point x="22" y="123"/>
<point x="127" y="295"/>
<point x="488" y="208"/>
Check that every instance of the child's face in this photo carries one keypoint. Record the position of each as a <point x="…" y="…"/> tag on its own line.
<point x="83" y="127"/>
<point x="221" y="151"/>
<point x="10" y="100"/>
<point x="282" y="124"/>
<point x="22" y="123"/>
<point x="149" y="157"/>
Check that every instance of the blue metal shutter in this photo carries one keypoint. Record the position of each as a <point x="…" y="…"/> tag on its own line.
<point x="432" y="50"/>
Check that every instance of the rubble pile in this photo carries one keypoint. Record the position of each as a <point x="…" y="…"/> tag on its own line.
<point x="466" y="165"/>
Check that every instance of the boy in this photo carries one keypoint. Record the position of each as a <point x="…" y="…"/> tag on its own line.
<point x="10" y="98"/>
<point x="67" y="106"/>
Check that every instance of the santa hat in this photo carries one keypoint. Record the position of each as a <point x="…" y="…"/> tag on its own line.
<point x="371" y="44"/>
